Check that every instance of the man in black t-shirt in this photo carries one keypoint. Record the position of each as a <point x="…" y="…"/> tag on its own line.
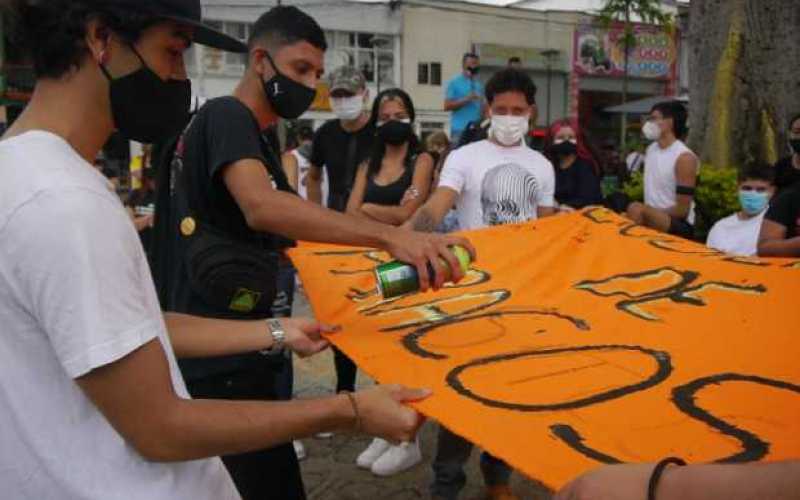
<point x="222" y="175"/>
<point x="780" y="231"/>
<point x="787" y="170"/>
<point x="341" y="145"/>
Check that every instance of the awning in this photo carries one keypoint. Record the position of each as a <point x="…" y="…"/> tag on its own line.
<point x="643" y="106"/>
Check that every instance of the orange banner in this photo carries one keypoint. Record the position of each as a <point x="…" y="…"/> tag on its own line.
<point x="582" y="339"/>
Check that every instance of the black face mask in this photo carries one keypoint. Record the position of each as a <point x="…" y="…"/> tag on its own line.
<point x="795" y="144"/>
<point x="395" y="132"/>
<point x="566" y="148"/>
<point x="474" y="70"/>
<point x="289" y="98"/>
<point x="146" y="108"/>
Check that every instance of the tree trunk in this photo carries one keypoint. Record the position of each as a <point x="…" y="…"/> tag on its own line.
<point x="745" y="79"/>
<point x="625" y="79"/>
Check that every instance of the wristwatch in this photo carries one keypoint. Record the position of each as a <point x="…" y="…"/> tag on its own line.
<point x="275" y="329"/>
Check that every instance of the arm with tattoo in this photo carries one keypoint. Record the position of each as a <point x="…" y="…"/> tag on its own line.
<point x="428" y="218"/>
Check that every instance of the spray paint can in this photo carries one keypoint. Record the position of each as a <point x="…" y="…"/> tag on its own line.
<point x="398" y="278"/>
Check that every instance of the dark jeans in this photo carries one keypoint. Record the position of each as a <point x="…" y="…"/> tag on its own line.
<point x="452" y="452"/>
<point x="281" y="363"/>
<point x="345" y="372"/>
<point x="682" y="228"/>
<point x="260" y="475"/>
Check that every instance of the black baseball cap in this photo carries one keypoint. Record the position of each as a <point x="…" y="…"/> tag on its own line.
<point x="186" y="12"/>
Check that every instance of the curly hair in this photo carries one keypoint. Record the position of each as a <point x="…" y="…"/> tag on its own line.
<point x="51" y="33"/>
<point x="511" y="80"/>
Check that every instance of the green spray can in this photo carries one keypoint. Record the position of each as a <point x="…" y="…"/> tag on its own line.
<point x="398" y="278"/>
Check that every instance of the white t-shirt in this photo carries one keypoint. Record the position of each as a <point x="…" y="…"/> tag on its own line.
<point x="75" y="294"/>
<point x="303" y="166"/>
<point x="736" y="236"/>
<point x="498" y="185"/>
<point x="660" y="179"/>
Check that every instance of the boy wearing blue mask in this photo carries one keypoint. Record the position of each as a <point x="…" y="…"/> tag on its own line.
<point x="738" y="234"/>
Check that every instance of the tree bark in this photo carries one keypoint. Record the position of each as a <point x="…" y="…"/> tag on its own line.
<point x="745" y="79"/>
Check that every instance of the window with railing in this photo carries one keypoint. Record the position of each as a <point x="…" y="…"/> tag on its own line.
<point x="219" y="61"/>
<point x="372" y="53"/>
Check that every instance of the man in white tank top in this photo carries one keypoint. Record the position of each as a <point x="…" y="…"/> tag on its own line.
<point x="670" y="174"/>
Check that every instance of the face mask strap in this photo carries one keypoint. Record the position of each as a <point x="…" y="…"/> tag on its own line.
<point x="272" y="63"/>
<point x="136" y="52"/>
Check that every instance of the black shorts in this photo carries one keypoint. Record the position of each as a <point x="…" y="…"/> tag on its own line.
<point x="680" y="227"/>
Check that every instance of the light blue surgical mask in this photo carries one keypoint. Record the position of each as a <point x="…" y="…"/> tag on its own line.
<point x="753" y="202"/>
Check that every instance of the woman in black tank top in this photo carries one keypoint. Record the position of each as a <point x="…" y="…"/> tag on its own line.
<point x="396" y="180"/>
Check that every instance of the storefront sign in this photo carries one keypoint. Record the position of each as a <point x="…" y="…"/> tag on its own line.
<point x="599" y="52"/>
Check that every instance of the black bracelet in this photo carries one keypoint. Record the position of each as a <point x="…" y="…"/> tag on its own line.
<point x="658" y="471"/>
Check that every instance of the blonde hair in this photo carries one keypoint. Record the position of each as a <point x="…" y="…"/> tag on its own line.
<point x="437" y="139"/>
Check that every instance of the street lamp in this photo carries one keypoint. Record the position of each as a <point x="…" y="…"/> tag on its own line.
<point x="550" y="55"/>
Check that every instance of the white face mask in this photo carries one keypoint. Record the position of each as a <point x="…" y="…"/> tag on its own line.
<point x="347" y="108"/>
<point x="651" y="131"/>
<point x="509" y="130"/>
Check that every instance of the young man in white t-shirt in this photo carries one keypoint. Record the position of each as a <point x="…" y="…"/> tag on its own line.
<point x="495" y="181"/>
<point x="94" y="406"/>
<point x="738" y="234"/>
<point x="670" y="174"/>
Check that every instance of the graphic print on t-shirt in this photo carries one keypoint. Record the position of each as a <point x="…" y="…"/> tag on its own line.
<point x="508" y="195"/>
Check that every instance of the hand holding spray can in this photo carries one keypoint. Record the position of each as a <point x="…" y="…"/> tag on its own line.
<point x="398" y="278"/>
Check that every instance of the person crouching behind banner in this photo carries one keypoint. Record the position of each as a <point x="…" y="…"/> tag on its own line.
<point x="670" y="174"/>
<point x="498" y="180"/>
<point x="577" y="183"/>
<point x="738" y="233"/>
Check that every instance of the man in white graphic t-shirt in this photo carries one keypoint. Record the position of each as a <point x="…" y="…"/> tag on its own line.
<point x="495" y="181"/>
<point x="670" y="174"/>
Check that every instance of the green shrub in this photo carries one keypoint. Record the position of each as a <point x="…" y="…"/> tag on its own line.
<point x="717" y="195"/>
<point x="634" y="187"/>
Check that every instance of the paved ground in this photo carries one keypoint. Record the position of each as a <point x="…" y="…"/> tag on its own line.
<point x="330" y="472"/>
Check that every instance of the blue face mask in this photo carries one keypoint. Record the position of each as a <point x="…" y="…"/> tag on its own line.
<point x="753" y="202"/>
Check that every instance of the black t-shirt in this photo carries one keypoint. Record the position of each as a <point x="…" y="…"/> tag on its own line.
<point x="390" y="194"/>
<point x="340" y="153"/>
<point x="222" y="132"/>
<point x="578" y="186"/>
<point x="786" y="175"/>
<point x="785" y="210"/>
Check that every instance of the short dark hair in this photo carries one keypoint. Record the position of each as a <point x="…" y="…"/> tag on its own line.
<point x="514" y="60"/>
<point x="794" y="119"/>
<point x="511" y="80"/>
<point x="52" y="33"/>
<point x="285" y="25"/>
<point x="469" y="55"/>
<point x="677" y="112"/>
<point x="305" y="133"/>
<point x="757" y="172"/>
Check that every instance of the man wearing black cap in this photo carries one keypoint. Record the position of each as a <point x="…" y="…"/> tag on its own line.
<point x="229" y="214"/>
<point x="94" y="406"/>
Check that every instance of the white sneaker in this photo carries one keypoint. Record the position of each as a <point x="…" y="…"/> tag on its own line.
<point x="299" y="450"/>
<point x="373" y="452"/>
<point x="397" y="459"/>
